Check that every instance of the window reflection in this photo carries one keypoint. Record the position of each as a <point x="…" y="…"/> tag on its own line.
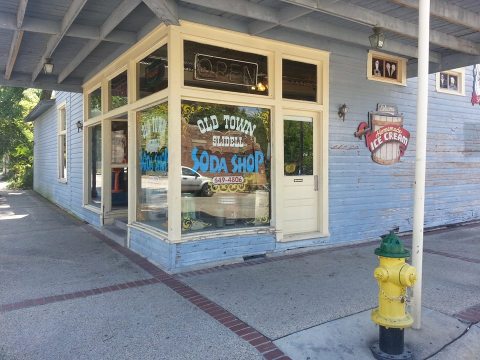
<point x="118" y="91"/>
<point x="119" y="164"/>
<point x="298" y="146"/>
<point x="153" y="72"/>
<point x="215" y="67"/>
<point x="152" y="140"/>
<point x="299" y="80"/>
<point x="95" y="103"/>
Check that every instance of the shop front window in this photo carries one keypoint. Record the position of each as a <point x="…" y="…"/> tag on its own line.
<point x="118" y="91"/>
<point x="225" y="166"/>
<point x="95" y="165"/>
<point x="299" y="80"/>
<point x="95" y="103"/>
<point x="214" y="67"/>
<point x="152" y="139"/>
<point x="153" y="72"/>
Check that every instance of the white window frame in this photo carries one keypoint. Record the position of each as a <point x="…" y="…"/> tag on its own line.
<point x="62" y="126"/>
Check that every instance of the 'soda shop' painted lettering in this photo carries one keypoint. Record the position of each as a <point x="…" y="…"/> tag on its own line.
<point x="209" y="163"/>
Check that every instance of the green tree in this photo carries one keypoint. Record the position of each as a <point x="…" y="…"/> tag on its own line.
<point x="16" y="136"/>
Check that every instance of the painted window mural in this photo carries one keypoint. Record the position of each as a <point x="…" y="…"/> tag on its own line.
<point x="152" y="139"/>
<point x="225" y="166"/>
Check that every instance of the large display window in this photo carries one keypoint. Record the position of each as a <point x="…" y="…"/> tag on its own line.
<point x="152" y="179"/>
<point x="225" y="93"/>
<point x="225" y="166"/>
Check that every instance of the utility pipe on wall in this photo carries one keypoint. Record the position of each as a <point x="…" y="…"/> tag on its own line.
<point x="420" y="157"/>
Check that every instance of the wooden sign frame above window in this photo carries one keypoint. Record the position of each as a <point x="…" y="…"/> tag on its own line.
<point x="386" y="68"/>
<point x="451" y="82"/>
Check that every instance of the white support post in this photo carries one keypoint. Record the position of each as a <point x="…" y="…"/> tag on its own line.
<point x="420" y="157"/>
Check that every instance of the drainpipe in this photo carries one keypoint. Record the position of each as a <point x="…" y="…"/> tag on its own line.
<point x="420" y="157"/>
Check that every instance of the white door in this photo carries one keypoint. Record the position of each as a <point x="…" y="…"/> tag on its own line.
<point x="300" y="175"/>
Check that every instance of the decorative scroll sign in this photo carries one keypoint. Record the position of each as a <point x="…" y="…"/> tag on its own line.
<point x="385" y="136"/>
<point x="226" y="71"/>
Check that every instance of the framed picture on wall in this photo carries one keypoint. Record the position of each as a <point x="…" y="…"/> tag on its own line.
<point x="451" y="82"/>
<point x="386" y="68"/>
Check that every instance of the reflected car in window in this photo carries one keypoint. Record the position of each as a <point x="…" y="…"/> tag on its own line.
<point x="194" y="182"/>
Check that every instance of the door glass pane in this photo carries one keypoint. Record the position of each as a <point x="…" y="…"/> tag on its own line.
<point x="298" y="146"/>
<point x="95" y="165"/>
<point x="119" y="156"/>
<point x="152" y="180"/>
<point x="119" y="142"/>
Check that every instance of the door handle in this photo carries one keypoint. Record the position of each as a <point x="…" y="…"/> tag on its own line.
<point x="315" y="183"/>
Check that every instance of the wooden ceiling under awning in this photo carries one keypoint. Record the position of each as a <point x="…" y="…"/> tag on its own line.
<point x="83" y="36"/>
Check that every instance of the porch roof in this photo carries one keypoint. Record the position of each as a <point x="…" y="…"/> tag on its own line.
<point x="82" y="36"/>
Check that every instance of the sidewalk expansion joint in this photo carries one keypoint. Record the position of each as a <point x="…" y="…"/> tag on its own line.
<point x="452" y="256"/>
<point x="247" y="333"/>
<point x="449" y="343"/>
<point x="76" y="295"/>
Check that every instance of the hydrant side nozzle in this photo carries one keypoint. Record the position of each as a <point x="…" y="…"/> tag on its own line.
<point x="381" y="274"/>
<point x="407" y="275"/>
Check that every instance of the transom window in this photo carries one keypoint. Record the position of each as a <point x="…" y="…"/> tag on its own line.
<point x="220" y="68"/>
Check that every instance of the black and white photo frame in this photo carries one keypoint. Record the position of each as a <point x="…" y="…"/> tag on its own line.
<point x="451" y="82"/>
<point x="386" y="68"/>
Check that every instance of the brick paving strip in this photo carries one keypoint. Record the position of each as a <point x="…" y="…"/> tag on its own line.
<point x="77" y="294"/>
<point x="263" y="344"/>
<point x="470" y="315"/>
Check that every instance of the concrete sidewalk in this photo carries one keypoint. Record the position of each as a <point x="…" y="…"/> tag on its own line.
<point x="68" y="292"/>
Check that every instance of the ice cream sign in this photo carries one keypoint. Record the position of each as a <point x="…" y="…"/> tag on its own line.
<point x="385" y="136"/>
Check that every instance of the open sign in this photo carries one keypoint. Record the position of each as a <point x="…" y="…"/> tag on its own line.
<point x="223" y="70"/>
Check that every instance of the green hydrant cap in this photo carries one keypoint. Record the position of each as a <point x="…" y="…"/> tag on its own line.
<point x="392" y="247"/>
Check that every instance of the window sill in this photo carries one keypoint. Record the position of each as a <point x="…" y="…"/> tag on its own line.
<point x="92" y="208"/>
<point x="150" y="230"/>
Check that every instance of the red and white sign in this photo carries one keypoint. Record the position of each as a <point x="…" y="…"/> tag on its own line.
<point x="389" y="133"/>
<point x="220" y="180"/>
<point x="385" y="136"/>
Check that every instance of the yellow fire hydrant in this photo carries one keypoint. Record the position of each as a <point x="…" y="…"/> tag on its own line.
<point x="394" y="276"/>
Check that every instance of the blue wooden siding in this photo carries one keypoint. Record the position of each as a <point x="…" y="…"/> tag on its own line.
<point x="365" y="199"/>
<point x="67" y="195"/>
<point x="368" y="199"/>
<point x="193" y="253"/>
<point x="154" y="249"/>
